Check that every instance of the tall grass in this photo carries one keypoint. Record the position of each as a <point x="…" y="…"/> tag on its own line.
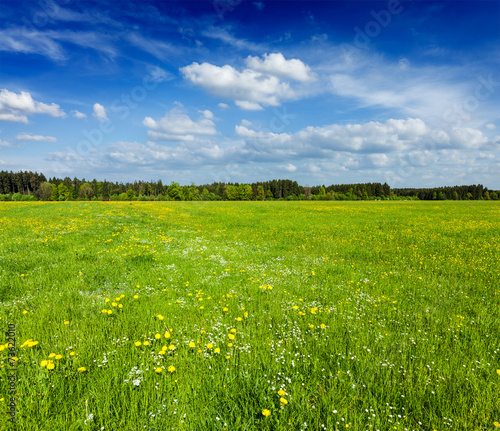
<point x="252" y="316"/>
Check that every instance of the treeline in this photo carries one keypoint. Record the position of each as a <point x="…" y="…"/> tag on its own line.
<point x="27" y="185"/>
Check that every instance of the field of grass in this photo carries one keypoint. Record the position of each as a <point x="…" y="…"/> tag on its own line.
<point x="251" y="316"/>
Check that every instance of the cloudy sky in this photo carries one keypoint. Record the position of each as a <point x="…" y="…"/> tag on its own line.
<point x="322" y="92"/>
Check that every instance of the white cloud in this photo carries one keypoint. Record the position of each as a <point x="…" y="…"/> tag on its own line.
<point x="38" y="138"/>
<point x="246" y="123"/>
<point x="223" y="105"/>
<point x="157" y="48"/>
<point x="78" y="114"/>
<point x="250" y="89"/>
<point x="275" y="64"/>
<point x="177" y="126"/>
<point x="6" y="144"/>
<point x="288" y="167"/>
<point x="159" y="75"/>
<point x="99" y="112"/>
<point x="224" y="36"/>
<point x="491" y="126"/>
<point x="16" y="107"/>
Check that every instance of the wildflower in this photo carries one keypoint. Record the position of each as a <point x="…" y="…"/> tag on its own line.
<point x="52" y="355"/>
<point x="171" y="347"/>
<point x="136" y="296"/>
<point x="146" y="343"/>
<point x="239" y="319"/>
<point x="72" y="354"/>
<point x="192" y="344"/>
<point x="110" y="312"/>
<point x="107" y="300"/>
<point x="231" y="336"/>
<point x="114" y="304"/>
<point x="225" y="309"/>
<point x="25" y="312"/>
<point x="82" y="369"/>
<point x="217" y="350"/>
<point x="281" y="392"/>
<point x="266" y="413"/>
<point x="497" y="424"/>
<point x="104" y="311"/>
<point x="120" y="305"/>
<point x="58" y="356"/>
<point x="171" y="369"/>
<point x="283" y="401"/>
<point x="44" y="363"/>
<point x="160" y="317"/>
<point x="159" y="370"/>
<point x="210" y="345"/>
<point x="233" y="330"/>
<point x="138" y="343"/>
<point x="32" y="343"/>
<point x="66" y="322"/>
<point x="167" y="334"/>
<point x="157" y="336"/>
<point x="498" y="372"/>
<point x="50" y="366"/>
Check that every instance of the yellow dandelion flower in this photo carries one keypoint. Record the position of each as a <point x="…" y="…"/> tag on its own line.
<point x="110" y="312"/>
<point x="50" y="366"/>
<point x="58" y="356"/>
<point x="114" y="304"/>
<point x="192" y="344"/>
<point x="217" y="350"/>
<point x="146" y="343"/>
<point x="82" y="369"/>
<point x="497" y="424"/>
<point x="32" y="343"/>
<point x="230" y="344"/>
<point x="171" y="347"/>
<point x="225" y="309"/>
<point x="266" y="413"/>
<point x="52" y="355"/>
<point x="159" y="370"/>
<point x="44" y="363"/>
<point x="228" y="357"/>
<point x="281" y="392"/>
<point x="283" y="401"/>
<point x="295" y="307"/>
<point x="104" y="311"/>
<point x="171" y="369"/>
<point x="72" y="354"/>
<point x="160" y="317"/>
<point x="107" y="300"/>
<point x="322" y="326"/>
<point x="167" y="335"/>
<point x="498" y="372"/>
<point x="157" y="336"/>
<point x="239" y="319"/>
<point x="231" y="336"/>
<point x="233" y="330"/>
<point x="66" y="322"/>
<point x="25" y="312"/>
<point x="120" y="305"/>
<point x="210" y="345"/>
<point x="136" y="296"/>
<point x="137" y="343"/>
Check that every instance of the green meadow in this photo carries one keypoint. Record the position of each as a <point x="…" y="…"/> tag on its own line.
<point x="250" y="315"/>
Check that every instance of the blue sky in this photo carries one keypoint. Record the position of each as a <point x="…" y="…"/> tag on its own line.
<point x="322" y="92"/>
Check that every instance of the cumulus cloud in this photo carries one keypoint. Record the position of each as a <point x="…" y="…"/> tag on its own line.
<point x="78" y="114"/>
<point x="99" y="112"/>
<point x="16" y="107"/>
<point x="37" y="138"/>
<point x="491" y="126"/>
<point x="178" y="126"/>
<point x="260" y="84"/>
<point x="276" y="64"/>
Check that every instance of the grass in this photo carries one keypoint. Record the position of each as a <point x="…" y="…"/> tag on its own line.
<point x="366" y="315"/>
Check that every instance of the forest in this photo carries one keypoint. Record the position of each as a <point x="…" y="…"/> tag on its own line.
<point x="27" y="185"/>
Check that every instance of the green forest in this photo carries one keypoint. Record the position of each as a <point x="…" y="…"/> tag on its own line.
<point x="27" y="185"/>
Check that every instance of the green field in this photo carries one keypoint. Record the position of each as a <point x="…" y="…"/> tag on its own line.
<point x="251" y="316"/>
